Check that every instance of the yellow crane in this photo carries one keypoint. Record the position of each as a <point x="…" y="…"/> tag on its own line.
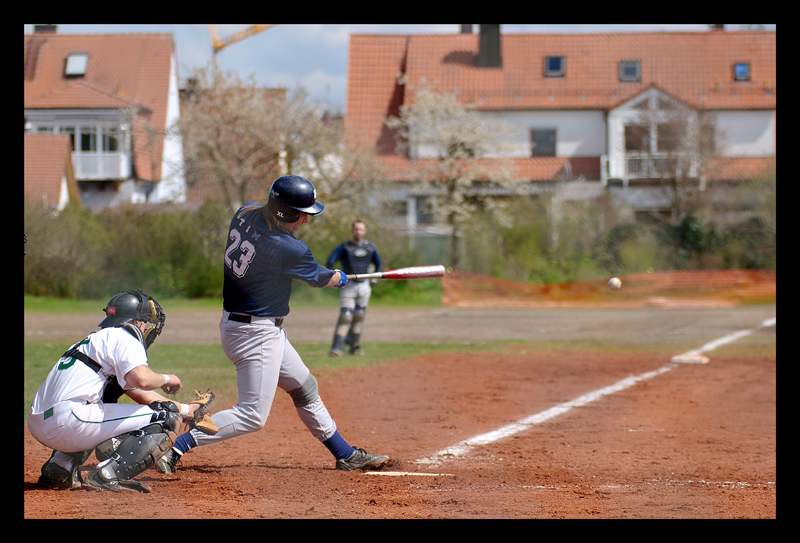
<point x="219" y="44"/>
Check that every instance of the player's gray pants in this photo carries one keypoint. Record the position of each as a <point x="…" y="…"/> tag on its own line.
<point x="264" y="360"/>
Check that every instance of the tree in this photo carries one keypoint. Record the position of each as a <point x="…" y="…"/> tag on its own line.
<point x="673" y="143"/>
<point x="239" y="137"/>
<point x="456" y="156"/>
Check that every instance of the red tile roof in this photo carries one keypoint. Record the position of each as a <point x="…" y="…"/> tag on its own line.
<point x="47" y="160"/>
<point x="694" y="67"/>
<point x="123" y="70"/>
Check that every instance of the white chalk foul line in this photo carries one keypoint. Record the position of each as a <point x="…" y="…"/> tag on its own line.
<point x="710" y="346"/>
<point x="462" y="448"/>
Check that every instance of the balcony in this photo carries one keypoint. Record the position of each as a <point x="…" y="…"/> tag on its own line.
<point x="643" y="165"/>
<point x="95" y="166"/>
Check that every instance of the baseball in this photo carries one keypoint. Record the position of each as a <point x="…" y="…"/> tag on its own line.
<point x="614" y="283"/>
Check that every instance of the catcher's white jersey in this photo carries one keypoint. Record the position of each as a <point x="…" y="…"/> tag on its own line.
<point x="117" y="352"/>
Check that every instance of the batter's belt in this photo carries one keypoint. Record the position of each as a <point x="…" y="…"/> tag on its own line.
<point x="247" y="319"/>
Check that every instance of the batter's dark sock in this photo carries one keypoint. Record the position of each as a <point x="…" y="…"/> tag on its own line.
<point x="338" y="446"/>
<point x="184" y="443"/>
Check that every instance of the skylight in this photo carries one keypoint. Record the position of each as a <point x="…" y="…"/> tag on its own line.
<point x="76" y="64"/>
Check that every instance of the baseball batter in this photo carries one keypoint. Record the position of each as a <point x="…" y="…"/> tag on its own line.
<point x="356" y="256"/>
<point x="75" y="411"/>
<point x="261" y="260"/>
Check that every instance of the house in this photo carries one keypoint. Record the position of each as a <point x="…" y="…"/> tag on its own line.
<point x="588" y="107"/>
<point x="114" y="96"/>
<point x="48" y="174"/>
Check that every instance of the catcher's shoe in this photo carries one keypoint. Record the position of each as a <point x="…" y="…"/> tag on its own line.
<point x="59" y="478"/>
<point x="360" y="459"/>
<point x="95" y="481"/>
<point x="55" y="477"/>
<point x="169" y="462"/>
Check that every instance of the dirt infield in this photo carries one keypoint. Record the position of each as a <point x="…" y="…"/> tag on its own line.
<point x="698" y="441"/>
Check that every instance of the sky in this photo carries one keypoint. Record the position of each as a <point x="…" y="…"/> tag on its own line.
<point x="315" y="55"/>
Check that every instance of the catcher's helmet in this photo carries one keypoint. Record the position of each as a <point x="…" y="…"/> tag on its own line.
<point x="127" y="306"/>
<point x="291" y="194"/>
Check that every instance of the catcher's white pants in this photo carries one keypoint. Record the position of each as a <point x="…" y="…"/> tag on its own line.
<point x="355" y="293"/>
<point x="77" y="426"/>
<point x="265" y="361"/>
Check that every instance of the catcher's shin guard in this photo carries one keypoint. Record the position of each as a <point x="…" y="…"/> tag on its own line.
<point x="344" y="322"/>
<point x="128" y="455"/>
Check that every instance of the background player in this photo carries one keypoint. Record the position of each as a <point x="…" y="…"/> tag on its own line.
<point x="261" y="260"/>
<point x="356" y="256"/>
<point x="76" y="410"/>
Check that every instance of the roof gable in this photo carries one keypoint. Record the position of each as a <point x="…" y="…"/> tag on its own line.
<point x="47" y="161"/>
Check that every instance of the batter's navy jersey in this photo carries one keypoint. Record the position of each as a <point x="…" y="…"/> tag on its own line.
<point x="355" y="257"/>
<point x="260" y="265"/>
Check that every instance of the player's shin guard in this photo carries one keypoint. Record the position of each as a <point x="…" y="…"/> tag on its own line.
<point x="354" y="335"/>
<point x="126" y="456"/>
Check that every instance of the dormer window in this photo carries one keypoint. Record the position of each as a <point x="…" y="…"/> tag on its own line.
<point x="554" y="66"/>
<point x="741" y="71"/>
<point x="76" y="64"/>
<point x="630" y="70"/>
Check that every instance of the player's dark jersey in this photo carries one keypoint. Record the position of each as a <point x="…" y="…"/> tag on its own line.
<point x="260" y="265"/>
<point x="355" y="258"/>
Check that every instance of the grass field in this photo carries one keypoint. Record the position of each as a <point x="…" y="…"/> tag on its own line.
<point x="206" y="366"/>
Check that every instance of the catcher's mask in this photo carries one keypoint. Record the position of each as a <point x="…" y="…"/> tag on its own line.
<point x="135" y="305"/>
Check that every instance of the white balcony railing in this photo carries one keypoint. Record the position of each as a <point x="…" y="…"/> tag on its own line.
<point x="643" y="165"/>
<point x="101" y="165"/>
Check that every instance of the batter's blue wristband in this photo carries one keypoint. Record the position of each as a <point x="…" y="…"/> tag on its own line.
<point x="343" y="281"/>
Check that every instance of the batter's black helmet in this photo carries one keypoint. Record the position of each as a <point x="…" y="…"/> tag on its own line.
<point x="291" y="194"/>
<point x="127" y="306"/>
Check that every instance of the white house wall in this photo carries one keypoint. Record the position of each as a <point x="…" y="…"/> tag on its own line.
<point x="578" y="133"/>
<point x="746" y="133"/>
<point x="172" y="187"/>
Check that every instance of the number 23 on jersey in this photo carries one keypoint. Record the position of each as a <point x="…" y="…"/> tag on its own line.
<point x="247" y="253"/>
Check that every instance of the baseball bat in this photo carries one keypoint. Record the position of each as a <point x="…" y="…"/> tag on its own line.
<point x="414" y="272"/>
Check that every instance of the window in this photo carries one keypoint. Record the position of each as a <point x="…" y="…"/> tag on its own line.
<point x="554" y="66"/>
<point x="630" y="70"/>
<point x="76" y="64"/>
<point x="637" y="137"/>
<point x="669" y="137"/>
<point x="741" y="71"/>
<point x="88" y="139"/>
<point x="110" y="139"/>
<point x="543" y="142"/>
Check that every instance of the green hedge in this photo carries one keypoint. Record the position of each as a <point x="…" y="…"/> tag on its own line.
<point x="177" y="253"/>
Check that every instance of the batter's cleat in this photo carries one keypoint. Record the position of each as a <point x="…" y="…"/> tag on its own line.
<point x="360" y="459"/>
<point x="94" y="481"/>
<point x="169" y="462"/>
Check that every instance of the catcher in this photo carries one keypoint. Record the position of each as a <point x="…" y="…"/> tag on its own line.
<point x="75" y="411"/>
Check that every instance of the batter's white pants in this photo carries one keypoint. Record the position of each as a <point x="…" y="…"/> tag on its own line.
<point x="264" y="361"/>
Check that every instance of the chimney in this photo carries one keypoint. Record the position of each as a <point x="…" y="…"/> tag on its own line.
<point x="44" y="29"/>
<point x="466" y="29"/>
<point x="489" y="47"/>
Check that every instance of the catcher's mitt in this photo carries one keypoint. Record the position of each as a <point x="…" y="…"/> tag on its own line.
<point x="201" y="421"/>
